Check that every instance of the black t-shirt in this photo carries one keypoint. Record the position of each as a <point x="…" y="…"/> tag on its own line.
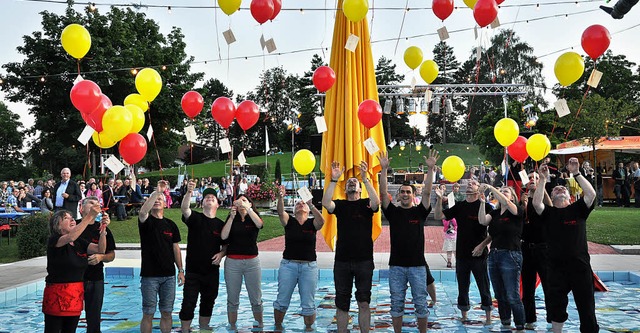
<point x="67" y="263"/>
<point x="535" y="228"/>
<point x="470" y="231"/>
<point x="203" y="242"/>
<point x="157" y="237"/>
<point x="567" y="232"/>
<point x="406" y="228"/>
<point x="243" y="237"/>
<point x="299" y="240"/>
<point x="506" y="229"/>
<point x="92" y="235"/>
<point x="355" y="220"/>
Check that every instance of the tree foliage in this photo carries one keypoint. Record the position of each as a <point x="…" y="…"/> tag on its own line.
<point x="12" y="138"/>
<point x="397" y="126"/>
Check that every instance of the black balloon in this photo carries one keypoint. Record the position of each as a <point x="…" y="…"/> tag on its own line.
<point x="620" y="8"/>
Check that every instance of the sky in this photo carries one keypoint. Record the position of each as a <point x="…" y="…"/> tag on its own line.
<point x="554" y="27"/>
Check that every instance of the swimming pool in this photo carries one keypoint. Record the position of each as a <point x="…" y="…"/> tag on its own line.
<point x="618" y="310"/>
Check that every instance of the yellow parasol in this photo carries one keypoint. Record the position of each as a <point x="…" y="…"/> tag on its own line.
<point x="344" y="139"/>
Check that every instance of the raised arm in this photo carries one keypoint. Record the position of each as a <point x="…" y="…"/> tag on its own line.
<point x="384" y="164"/>
<point x="185" y="207"/>
<point x="483" y="217"/>
<point x="318" y="219"/>
<point x="226" y="230"/>
<point x="87" y="220"/>
<point x="538" y="195"/>
<point x="327" y="198"/>
<point x="504" y="202"/>
<point x="143" y="214"/>
<point x="430" y="162"/>
<point x="284" y="216"/>
<point x="437" y="212"/>
<point x="374" y="199"/>
<point x="589" y="193"/>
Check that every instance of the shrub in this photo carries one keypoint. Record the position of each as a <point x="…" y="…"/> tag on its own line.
<point x="33" y="235"/>
<point x="263" y="191"/>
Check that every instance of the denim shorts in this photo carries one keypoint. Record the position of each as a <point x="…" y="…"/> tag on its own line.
<point x="305" y="276"/>
<point x="399" y="279"/>
<point x="151" y="287"/>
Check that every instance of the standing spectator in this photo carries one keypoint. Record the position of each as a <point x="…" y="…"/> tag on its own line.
<point x="67" y="253"/>
<point x="312" y="180"/>
<point x="67" y="193"/>
<point x="635" y="174"/>
<point x="94" y="274"/>
<point x="243" y="186"/>
<point x="204" y="252"/>
<point x="229" y="191"/>
<point x="46" y="205"/>
<point x="406" y="262"/>
<point x="470" y="234"/>
<point x="600" y="188"/>
<point x="354" y="247"/>
<point x="159" y="238"/>
<point x="242" y="263"/>
<point x="620" y="175"/>
<point x="449" y="234"/>
<point x="569" y="261"/>
<point x="298" y="265"/>
<point x="505" y="259"/>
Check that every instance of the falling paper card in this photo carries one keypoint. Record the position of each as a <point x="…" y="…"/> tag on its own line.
<point x="242" y="159"/>
<point x="262" y="42"/>
<point x="190" y="133"/>
<point x="271" y="45"/>
<point x="78" y="79"/>
<point x="305" y="194"/>
<point x="149" y="133"/>
<point x="225" y="146"/>
<point x="86" y="134"/>
<point x="371" y="145"/>
<point x="413" y="82"/>
<point x="594" y="78"/>
<point x="428" y="95"/>
<point x="475" y="32"/>
<point x="443" y="33"/>
<point x="478" y="53"/>
<point x="524" y="177"/>
<point x="352" y="43"/>
<point x="229" y="37"/>
<point x="495" y="24"/>
<point x="114" y="164"/>
<point x="321" y="124"/>
<point x="562" y="108"/>
<point x="451" y="199"/>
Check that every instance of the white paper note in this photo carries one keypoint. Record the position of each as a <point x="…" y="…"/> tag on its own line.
<point x="451" y="199"/>
<point x="229" y="37"/>
<point x="321" y="124"/>
<point x="305" y="194"/>
<point x="495" y="24"/>
<point x="478" y="53"/>
<point x="443" y="33"/>
<point x="225" y="146"/>
<point x="475" y="32"/>
<point x="262" y="42"/>
<point x="413" y="82"/>
<point x="371" y="145"/>
<point x="149" y="133"/>
<point x="271" y="45"/>
<point x="190" y="133"/>
<point x="594" y="78"/>
<point x="86" y="134"/>
<point x="28" y="204"/>
<point x="78" y="79"/>
<point x="524" y="176"/>
<point x="428" y="95"/>
<point x="114" y="164"/>
<point x="352" y="43"/>
<point x="562" y="108"/>
<point x="242" y="159"/>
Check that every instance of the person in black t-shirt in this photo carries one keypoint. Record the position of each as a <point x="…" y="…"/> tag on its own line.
<point x="205" y="251"/>
<point x="67" y="254"/>
<point x="406" y="226"/>
<point x="470" y="235"/>
<point x="94" y="275"/>
<point x="569" y="261"/>
<point x="159" y="244"/>
<point x="298" y="265"/>
<point x="354" y="246"/>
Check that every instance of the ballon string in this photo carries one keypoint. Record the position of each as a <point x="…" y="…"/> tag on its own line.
<point x="78" y="63"/>
<point x="404" y="15"/>
<point x="584" y="97"/>
<point x="84" y="171"/>
<point x="153" y="137"/>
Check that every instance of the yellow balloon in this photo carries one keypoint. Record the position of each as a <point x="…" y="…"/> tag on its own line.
<point x="76" y="40"/>
<point x="103" y="141"/>
<point x="569" y="68"/>
<point x="506" y="131"/>
<point x="538" y="146"/>
<point x="137" y="116"/>
<point x="138" y="100"/>
<point x="304" y="161"/>
<point x="413" y="57"/>
<point x="229" y="6"/>
<point x="470" y="3"/>
<point x="117" y="122"/>
<point x="355" y="10"/>
<point x="453" y="168"/>
<point x="148" y="83"/>
<point x="429" y="71"/>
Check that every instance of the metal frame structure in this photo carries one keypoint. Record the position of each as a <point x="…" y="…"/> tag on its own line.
<point x="452" y="89"/>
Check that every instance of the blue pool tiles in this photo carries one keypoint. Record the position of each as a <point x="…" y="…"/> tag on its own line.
<point x="618" y="310"/>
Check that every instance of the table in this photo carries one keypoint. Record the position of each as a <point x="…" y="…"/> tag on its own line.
<point x="13" y="220"/>
<point x="31" y="210"/>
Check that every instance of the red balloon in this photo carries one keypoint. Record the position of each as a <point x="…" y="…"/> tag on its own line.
<point x="277" y="5"/>
<point x="223" y="111"/>
<point x="595" y="40"/>
<point x="94" y="119"/>
<point x="442" y="8"/>
<point x="262" y="10"/>
<point x="518" y="149"/>
<point x="192" y="103"/>
<point x="499" y="2"/>
<point x="485" y="12"/>
<point x="248" y="114"/>
<point x="323" y="78"/>
<point x="132" y="148"/>
<point x="369" y="113"/>
<point x="85" y="96"/>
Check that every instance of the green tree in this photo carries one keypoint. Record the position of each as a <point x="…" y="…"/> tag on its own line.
<point x="443" y="126"/>
<point x="12" y="138"/>
<point x="209" y="131"/>
<point x="397" y="126"/>
<point x="120" y="39"/>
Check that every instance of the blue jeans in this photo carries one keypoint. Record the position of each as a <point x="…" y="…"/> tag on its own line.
<point x="504" y="270"/>
<point x="152" y="287"/>
<point x="305" y="275"/>
<point x="415" y="276"/>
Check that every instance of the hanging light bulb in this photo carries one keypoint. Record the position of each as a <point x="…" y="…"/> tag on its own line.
<point x="297" y="113"/>
<point x="412" y="106"/>
<point x="169" y="9"/>
<point x="418" y="145"/>
<point x="288" y="123"/>
<point x="436" y="105"/>
<point x="392" y="144"/>
<point x="400" y="106"/>
<point x="448" y="106"/>
<point x="424" y="106"/>
<point x="297" y="129"/>
<point x="388" y="104"/>
<point x="402" y="145"/>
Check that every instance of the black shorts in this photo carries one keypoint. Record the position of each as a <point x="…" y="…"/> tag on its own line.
<point x="344" y="273"/>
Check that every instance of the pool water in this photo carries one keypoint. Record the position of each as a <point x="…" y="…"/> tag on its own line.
<point x="617" y="310"/>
